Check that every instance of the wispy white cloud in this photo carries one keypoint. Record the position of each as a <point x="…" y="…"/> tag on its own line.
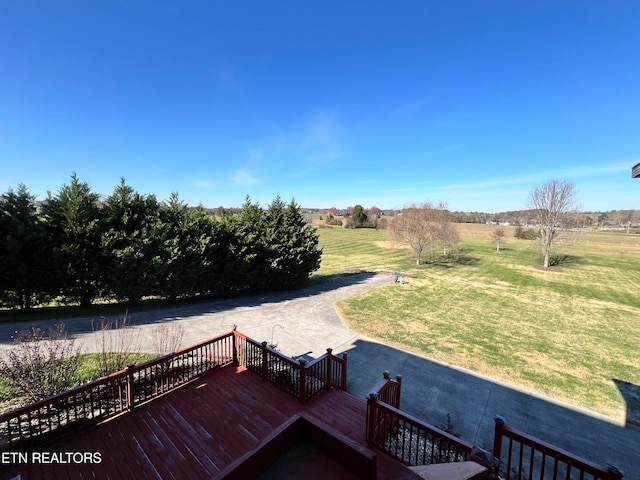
<point x="312" y="143"/>
<point x="243" y="176"/>
<point x="319" y="141"/>
<point x="593" y="170"/>
<point x="203" y="183"/>
<point x="320" y="131"/>
<point x="487" y="184"/>
<point x="569" y="173"/>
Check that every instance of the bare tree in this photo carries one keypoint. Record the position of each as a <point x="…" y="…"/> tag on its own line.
<point x="118" y="342"/>
<point x="446" y="233"/>
<point x="424" y="227"/>
<point x="552" y="202"/>
<point x="414" y="226"/>
<point x="167" y="338"/>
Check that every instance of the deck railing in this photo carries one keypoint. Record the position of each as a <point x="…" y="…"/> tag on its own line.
<point x="517" y="455"/>
<point x="388" y="390"/>
<point x="160" y="375"/>
<point x="301" y="379"/>
<point x="405" y="438"/>
<point x="48" y="419"/>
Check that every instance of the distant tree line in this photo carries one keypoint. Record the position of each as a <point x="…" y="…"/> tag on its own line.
<point x="374" y="217"/>
<point x="74" y="249"/>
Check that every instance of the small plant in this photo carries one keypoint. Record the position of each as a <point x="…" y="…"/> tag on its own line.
<point x="449" y="428"/>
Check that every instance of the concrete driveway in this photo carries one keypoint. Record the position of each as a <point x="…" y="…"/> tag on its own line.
<point x="305" y="322"/>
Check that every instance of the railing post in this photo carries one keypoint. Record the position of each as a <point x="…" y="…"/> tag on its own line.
<point x="386" y="375"/>
<point x="265" y="363"/>
<point x="613" y="473"/>
<point x="399" y="380"/>
<point x="130" y="392"/>
<point x="497" y="445"/>
<point x="345" y="356"/>
<point x="372" y="403"/>
<point x="329" y="382"/>
<point x="234" y="354"/>
<point x="303" y="380"/>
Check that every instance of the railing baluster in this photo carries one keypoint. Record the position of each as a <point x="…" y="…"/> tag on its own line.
<point x="509" y="458"/>
<point x="531" y="462"/>
<point x="520" y="456"/>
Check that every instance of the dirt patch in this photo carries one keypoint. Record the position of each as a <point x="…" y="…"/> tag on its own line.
<point x="549" y="269"/>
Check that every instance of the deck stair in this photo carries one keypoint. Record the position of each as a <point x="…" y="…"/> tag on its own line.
<point x="469" y="470"/>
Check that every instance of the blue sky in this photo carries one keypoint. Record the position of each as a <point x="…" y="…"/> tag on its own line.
<point x="333" y="103"/>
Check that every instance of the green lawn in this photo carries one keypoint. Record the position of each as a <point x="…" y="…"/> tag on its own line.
<point x="567" y="334"/>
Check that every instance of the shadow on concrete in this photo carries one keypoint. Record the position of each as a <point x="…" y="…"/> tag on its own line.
<point x="89" y="323"/>
<point x="631" y="394"/>
<point x="431" y="390"/>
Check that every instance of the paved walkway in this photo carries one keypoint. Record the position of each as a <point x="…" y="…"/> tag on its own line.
<point x="305" y="323"/>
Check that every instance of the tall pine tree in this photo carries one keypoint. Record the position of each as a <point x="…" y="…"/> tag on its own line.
<point x="25" y="251"/>
<point x="131" y="243"/>
<point x="74" y="220"/>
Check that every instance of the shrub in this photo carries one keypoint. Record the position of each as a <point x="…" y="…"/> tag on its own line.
<point x="525" y="234"/>
<point x="40" y="365"/>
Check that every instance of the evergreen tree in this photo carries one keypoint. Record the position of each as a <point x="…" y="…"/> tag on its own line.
<point x="174" y="269"/>
<point x="359" y="217"/>
<point x="24" y="251"/>
<point x="302" y="252"/>
<point x="212" y="241"/>
<point x="132" y="244"/>
<point x="74" y="221"/>
<point x="247" y="245"/>
<point x="193" y="252"/>
<point x="275" y="232"/>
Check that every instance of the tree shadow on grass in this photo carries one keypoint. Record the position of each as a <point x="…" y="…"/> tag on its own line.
<point x="452" y="261"/>
<point x="560" y="259"/>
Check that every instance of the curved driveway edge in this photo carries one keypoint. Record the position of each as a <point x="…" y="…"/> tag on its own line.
<point x="299" y="322"/>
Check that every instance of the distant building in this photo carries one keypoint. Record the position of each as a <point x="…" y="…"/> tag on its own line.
<point x="635" y="171"/>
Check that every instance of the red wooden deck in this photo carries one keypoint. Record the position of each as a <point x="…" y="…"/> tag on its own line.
<point x="199" y="429"/>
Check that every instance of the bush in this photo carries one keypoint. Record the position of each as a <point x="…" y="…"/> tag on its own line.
<point x="525" y="234"/>
<point x="40" y="365"/>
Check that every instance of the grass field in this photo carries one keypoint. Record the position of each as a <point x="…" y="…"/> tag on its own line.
<point x="568" y="334"/>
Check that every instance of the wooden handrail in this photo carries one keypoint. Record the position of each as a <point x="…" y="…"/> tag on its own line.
<point x="37" y="423"/>
<point x="410" y="440"/>
<point x="99" y="399"/>
<point x="538" y="463"/>
<point x="400" y="435"/>
<point x="301" y="379"/>
<point x="61" y="396"/>
<point x="388" y="390"/>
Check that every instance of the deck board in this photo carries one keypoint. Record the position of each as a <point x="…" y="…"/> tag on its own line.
<point x="201" y="428"/>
